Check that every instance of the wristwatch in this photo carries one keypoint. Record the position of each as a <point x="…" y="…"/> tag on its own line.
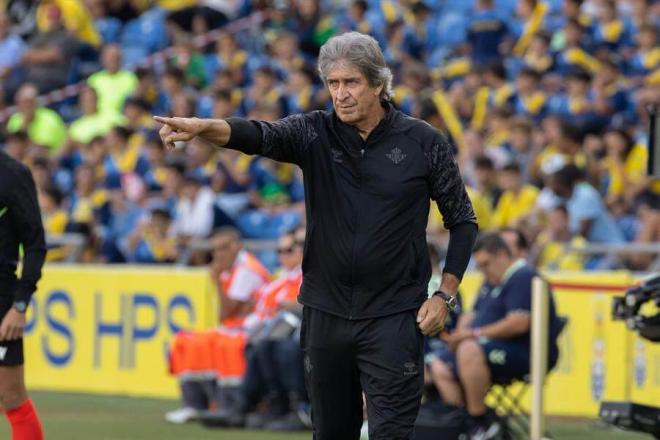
<point x="450" y="300"/>
<point x="20" y="306"/>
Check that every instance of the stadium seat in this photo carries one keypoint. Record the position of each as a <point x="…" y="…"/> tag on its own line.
<point x="109" y="28"/>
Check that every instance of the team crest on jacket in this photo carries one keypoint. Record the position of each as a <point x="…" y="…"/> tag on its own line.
<point x="396" y="155"/>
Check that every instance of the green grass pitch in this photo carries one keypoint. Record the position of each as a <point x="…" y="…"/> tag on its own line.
<point x="84" y="417"/>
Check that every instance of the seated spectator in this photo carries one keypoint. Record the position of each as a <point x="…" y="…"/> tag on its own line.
<point x="151" y="242"/>
<point x="574" y="54"/>
<point x="11" y="47"/>
<point x="194" y="209"/>
<point x="491" y="343"/>
<point x="47" y="60"/>
<point x="647" y="57"/>
<point x="587" y="213"/>
<point x="610" y="30"/>
<point x="205" y="360"/>
<point x="538" y="56"/>
<point x="112" y="84"/>
<point x="54" y="218"/>
<point x="501" y="91"/>
<point x="517" y="241"/>
<point x="43" y="125"/>
<point x="530" y="100"/>
<point x="551" y="247"/>
<point x="522" y="149"/>
<point x="517" y="200"/>
<point x="190" y="61"/>
<point x="274" y="358"/>
<point x="123" y="158"/>
<point x="92" y="123"/>
<point x="75" y="17"/>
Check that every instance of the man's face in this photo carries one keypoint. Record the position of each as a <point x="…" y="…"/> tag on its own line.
<point x="225" y="250"/>
<point x="352" y="96"/>
<point x="509" y="181"/>
<point x="511" y="239"/>
<point x="26" y="100"/>
<point x="289" y="252"/>
<point x="111" y="58"/>
<point x="557" y="222"/>
<point x="493" y="266"/>
<point x="560" y="188"/>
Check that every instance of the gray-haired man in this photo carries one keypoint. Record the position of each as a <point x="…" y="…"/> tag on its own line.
<point x="369" y="173"/>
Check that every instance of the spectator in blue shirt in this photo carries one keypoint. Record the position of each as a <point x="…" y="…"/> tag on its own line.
<point x="11" y="47"/>
<point x="492" y="342"/>
<point x="587" y="213"/>
<point x="486" y="33"/>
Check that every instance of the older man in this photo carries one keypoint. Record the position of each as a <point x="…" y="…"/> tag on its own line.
<point x="369" y="173"/>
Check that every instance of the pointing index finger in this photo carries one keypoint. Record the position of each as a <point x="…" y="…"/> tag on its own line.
<point x="164" y="120"/>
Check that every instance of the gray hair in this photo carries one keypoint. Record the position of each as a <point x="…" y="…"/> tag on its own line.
<point x="361" y="51"/>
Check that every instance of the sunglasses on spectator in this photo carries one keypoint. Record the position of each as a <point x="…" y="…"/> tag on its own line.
<point x="287" y="250"/>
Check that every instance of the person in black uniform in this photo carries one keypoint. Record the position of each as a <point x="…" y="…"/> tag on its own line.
<point x="20" y="225"/>
<point x="369" y="173"/>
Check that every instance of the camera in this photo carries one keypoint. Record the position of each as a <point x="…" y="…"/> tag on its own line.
<point x="629" y="308"/>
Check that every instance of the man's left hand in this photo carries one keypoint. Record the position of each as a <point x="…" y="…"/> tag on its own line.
<point x="12" y="325"/>
<point x="432" y="315"/>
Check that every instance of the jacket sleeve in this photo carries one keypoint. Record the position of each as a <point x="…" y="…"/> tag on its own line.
<point x="446" y="185"/>
<point x="25" y="213"/>
<point x="285" y="140"/>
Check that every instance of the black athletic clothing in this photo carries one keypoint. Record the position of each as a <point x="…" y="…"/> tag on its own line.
<point x="367" y="205"/>
<point x="382" y="357"/>
<point x="20" y="224"/>
<point x="11" y="352"/>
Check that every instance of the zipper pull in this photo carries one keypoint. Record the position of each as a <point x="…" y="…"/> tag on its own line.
<point x="362" y="152"/>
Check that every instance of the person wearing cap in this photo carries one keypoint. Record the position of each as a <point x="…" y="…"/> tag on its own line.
<point x="369" y="174"/>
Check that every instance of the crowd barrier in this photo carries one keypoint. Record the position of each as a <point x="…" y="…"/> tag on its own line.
<point x="105" y="329"/>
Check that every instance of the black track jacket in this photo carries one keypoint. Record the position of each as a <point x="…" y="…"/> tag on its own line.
<point x="367" y="204"/>
<point x="20" y="223"/>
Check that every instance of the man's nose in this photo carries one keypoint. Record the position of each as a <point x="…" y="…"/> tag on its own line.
<point x="342" y="92"/>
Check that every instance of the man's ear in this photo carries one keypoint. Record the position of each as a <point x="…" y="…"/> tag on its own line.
<point x="379" y="89"/>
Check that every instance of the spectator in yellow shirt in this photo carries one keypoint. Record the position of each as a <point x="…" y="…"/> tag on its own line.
<point x="112" y="84"/>
<point x="54" y="218"/>
<point x="623" y="169"/>
<point x="551" y="249"/>
<point x="516" y="202"/>
<point x="43" y="125"/>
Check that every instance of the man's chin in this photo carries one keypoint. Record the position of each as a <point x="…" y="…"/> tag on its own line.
<point x="347" y="118"/>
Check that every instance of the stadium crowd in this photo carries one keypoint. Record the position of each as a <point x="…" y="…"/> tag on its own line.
<point x="543" y="100"/>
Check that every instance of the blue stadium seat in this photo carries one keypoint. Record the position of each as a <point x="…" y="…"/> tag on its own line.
<point x="109" y="28"/>
<point x="260" y="224"/>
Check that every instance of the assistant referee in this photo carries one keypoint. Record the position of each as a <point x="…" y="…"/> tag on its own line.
<point x="369" y="173"/>
<point x="20" y="225"/>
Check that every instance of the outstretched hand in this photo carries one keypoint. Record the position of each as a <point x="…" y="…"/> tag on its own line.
<point x="178" y="129"/>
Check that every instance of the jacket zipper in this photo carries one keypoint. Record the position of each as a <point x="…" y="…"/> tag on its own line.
<point x="357" y="214"/>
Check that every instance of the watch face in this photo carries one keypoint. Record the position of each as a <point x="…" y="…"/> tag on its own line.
<point x="21" y="306"/>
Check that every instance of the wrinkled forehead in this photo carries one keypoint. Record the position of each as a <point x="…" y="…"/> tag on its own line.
<point x="343" y="69"/>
